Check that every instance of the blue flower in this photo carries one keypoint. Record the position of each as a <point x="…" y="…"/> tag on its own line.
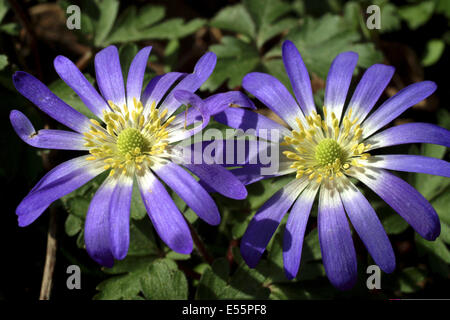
<point x="323" y="152"/>
<point x="135" y="141"/>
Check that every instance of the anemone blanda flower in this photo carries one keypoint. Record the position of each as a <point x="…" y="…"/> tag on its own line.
<point x="322" y="152"/>
<point x="135" y="141"/>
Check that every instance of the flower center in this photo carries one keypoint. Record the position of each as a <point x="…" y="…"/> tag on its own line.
<point x="328" y="151"/>
<point x="325" y="150"/>
<point x="131" y="140"/>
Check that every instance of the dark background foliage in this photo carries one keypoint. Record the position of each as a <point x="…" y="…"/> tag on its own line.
<point x="246" y="36"/>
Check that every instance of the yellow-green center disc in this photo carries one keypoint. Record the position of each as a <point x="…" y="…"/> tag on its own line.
<point x="130" y="139"/>
<point x="328" y="151"/>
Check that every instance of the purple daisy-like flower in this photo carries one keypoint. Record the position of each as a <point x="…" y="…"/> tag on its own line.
<point x="325" y="151"/>
<point x="135" y="142"/>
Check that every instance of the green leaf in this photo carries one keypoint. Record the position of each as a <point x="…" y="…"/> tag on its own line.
<point x="333" y="33"/>
<point x="69" y="96"/>
<point x="128" y="284"/>
<point x="142" y="241"/>
<point x="217" y="283"/>
<point x="73" y="225"/>
<point x="433" y="52"/>
<point x="127" y="52"/>
<point x="428" y="185"/>
<point x="131" y="24"/>
<point x="266" y="11"/>
<point x="3" y="61"/>
<point x="137" y="207"/>
<point x="411" y="279"/>
<point x="417" y="15"/>
<point x="164" y="282"/>
<point x="235" y="59"/>
<point x="264" y="14"/>
<point x="443" y="7"/>
<point x="394" y="224"/>
<point x="436" y="248"/>
<point x="236" y="19"/>
<point x="108" y="12"/>
<point x="170" y="29"/>
<point x="390" y="19"/>
<point x="4" y="7"/>
<point x="440" y="204"/>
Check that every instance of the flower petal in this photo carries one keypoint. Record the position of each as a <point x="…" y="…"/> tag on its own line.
<point x="396" y="105"/>
<point x="250" y="174"/>
<point x="164" y="214"/>
<point x="136" y="75"/>
<point x="177" y="132"/>
<point x="35" y="91"/>
<point x="157" y="89"/>
<point x="410" y="133"/>
<point x="369" y="90"/>
<point x="403" y="198"/>
<point x="119" y="216"/>
<point x="191" y="82"/>
<point x="270" y="91"/>
<point x="248" y="120"/>
<point x="263" y="225"/>
<point x="295" y="231"/>
<point x="299" y="77"/>
<point x="336" y="244"/>
<point x="73" y="77"/>
<point x="57" y="183"/>
<point x="109" y="75"/>
<point x="219" y="179"/>
<point x="411" y="163"/>
<point x="96" y="228"/>
<point x="221" y="101"/>
<point x="338" y="81"/>
<point x="47" y="139"/>
<point x="368" y="226"/>
<point x="190" y="191"/>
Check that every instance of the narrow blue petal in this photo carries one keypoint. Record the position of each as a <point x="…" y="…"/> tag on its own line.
<point x="263" y="225"/>
<point x="195" y="196"/>
<point x="109" y="75"/>
<point x="191" y="82"/>
<point x="169" y="223"/>
<point x="295" y="231"/>
<point x="411" y="163"/>
<point x="53" y="188"/>
<point x="136" y="75"/>
<point x="396" y="105"/>
<point x="188" y="98"/>
<point x="299" y="77"/>
<point x="336" y="244"/>
<point x="219" y="179"/>
<point x="248" y="120"/>
<point x="369" y="90"/>
<point x="270" y="91"/>
<point x="403" y="198"/>
<point x="338" y="81"/>
<point x="158" y="87"/>
<point x="46" y="138"/>
<point x="35" y="91"/>
<point x="71" y="75"/>
<point x="410" y="133"/>
<point x="96" y="228"/>
<point x="368" y="226"/>
<point x="221" y="101"/>
<point x="119" y="217"/>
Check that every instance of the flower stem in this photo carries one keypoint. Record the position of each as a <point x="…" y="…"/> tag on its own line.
<point x="200" y="245"/>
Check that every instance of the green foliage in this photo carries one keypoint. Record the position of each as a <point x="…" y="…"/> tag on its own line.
<point x="103" y="24"/>
<point x="257" y="22"/>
